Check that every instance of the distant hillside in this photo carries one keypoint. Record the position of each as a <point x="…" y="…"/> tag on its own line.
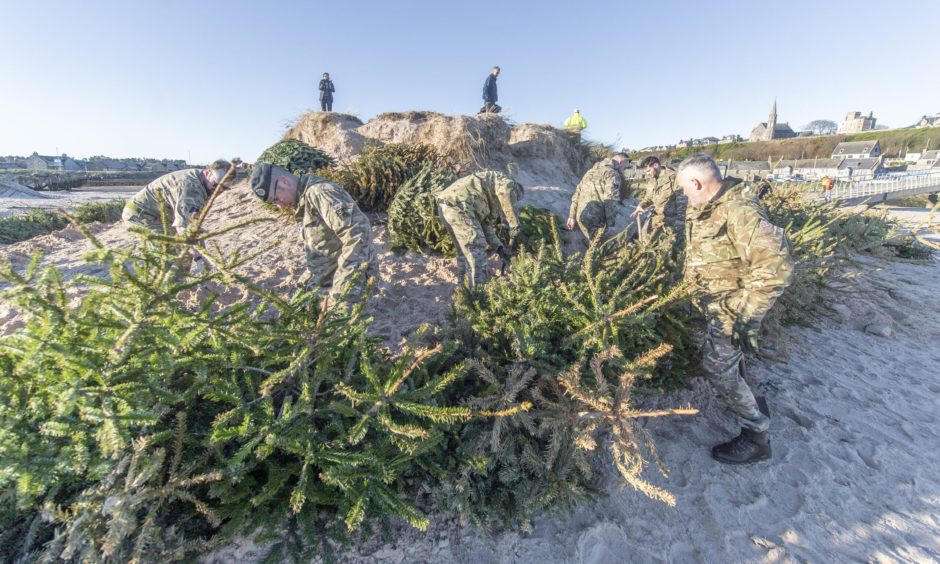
<point x="893" y="142"/>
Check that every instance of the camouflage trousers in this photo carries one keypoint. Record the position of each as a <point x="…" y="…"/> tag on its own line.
<point x="590" y="219"/>
<point x="721" y="362"/>
<point x="470" y="241"/>
<point x="343" y="262"/>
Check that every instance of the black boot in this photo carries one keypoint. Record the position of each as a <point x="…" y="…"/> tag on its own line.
<point x="749" y="446"/>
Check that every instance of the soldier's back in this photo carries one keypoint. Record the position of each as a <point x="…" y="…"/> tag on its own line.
<point x="167" y="189"/>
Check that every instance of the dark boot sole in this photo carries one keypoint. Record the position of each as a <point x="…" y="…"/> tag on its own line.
<point x="741" y="462"/>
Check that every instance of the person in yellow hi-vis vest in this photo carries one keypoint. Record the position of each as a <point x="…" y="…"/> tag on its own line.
<point x="575" y="123"/>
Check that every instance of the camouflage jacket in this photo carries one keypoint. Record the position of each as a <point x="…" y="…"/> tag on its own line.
<point x="486" y="196"/>
<point x="602" y="183"/>
<point x="737" y="260"/>
<point x="663" y="195"/>
<point x="182" y="194"/>
<point x="326" y="207"/>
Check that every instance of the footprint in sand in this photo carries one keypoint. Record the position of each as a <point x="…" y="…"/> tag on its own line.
<point x="867" y="453"/>
<point x="792" y="475"/>
<point x="683" y="552"/>
<point x="801" y="420"/>
<point x="842" y="393"/>
<point x="603" y="543"/>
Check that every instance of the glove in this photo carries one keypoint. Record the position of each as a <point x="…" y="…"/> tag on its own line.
<point x="744" y="334"/>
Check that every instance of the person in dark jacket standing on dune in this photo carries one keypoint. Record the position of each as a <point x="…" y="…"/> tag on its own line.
<point x="489" y="93"/>
<point x="326" y="93"/>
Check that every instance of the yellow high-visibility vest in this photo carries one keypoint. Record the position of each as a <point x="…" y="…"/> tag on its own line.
<point x="575" y="123"/>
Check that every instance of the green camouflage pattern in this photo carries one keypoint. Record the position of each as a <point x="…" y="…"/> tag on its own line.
<point x="182" y="194"/>
<point x="337" y="239"/>
<point x="721" y="362"/>
<point x="597" y="199"/>
<point x="665" y="198"/>
<point x="738" y="263"/>
<point x="472" y="209"/>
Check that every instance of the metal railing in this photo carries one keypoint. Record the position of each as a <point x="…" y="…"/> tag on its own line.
<point x="852" y="190"/>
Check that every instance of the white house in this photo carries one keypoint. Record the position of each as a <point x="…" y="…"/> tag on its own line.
<point x="860" y="169"/>
<point x="857" y="150"/>
<point x="929" y="159"/>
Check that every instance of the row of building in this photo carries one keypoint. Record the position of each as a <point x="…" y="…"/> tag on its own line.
<point x="693" y="142"/>
<point x="857" y="160"/>
<point x="854" y="122"/>
<point x="65" y="163"/>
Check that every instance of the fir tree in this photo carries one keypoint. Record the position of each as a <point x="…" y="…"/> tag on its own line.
<point x="148" y="416"/>
<point x="529" y="333"/>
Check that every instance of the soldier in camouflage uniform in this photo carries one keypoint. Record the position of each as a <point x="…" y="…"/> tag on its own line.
<point x="660" y="194"/>
<point x="337" y="235"/>
<point x="181" y="195"/>
<point x="739" y="264"/>
<point x="472" y="208"/>
<point x="598" y="198"/>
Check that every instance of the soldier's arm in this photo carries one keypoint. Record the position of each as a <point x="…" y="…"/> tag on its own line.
<point x="610" y="190"/>
<point x="764" y="249"/>
<point x="573" y="210"/>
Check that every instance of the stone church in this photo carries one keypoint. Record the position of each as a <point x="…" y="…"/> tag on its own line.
<point x="772" y="129"/>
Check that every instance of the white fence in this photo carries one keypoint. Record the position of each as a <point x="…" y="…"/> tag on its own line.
<point x="885" y="186"/>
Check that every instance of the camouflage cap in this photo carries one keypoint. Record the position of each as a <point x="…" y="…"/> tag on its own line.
<point x="260" y="181"/>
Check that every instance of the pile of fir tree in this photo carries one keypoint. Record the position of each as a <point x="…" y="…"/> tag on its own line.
<point x="143" y="417"/>
<point x="373" y="178"/>
<point x="577" y="338"/>
<point x="296" y="156"/>
<point x="581" y="337"/>
<point x="822" y="237"/>
<point x="413" y="221"/>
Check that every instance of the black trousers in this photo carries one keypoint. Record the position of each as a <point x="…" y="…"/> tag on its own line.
<point x="326" y="105"/>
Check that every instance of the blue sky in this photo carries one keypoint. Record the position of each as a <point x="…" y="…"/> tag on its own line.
<point x="210" y="79"/>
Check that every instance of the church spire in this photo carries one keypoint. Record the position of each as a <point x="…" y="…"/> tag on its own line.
<point x="771" y="122"/>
